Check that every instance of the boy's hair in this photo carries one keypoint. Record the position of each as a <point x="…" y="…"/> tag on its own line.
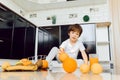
<point x="75" y="27"/>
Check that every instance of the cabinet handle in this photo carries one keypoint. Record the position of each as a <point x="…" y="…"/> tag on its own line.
<point x="1" y="41"/>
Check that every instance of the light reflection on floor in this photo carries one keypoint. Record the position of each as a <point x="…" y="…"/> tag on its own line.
<point x="56" y="75"/>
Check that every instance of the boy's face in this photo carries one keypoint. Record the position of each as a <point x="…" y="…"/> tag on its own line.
<point x="73" y="35"/>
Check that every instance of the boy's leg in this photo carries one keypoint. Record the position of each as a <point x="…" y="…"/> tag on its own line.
<point x="52" y="54"/>
<point x="57" y="57"/>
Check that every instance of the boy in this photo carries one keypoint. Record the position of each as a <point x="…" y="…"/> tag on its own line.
<point x="71" y="46"/>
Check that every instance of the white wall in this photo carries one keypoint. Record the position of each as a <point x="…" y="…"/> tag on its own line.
<point x="99" y="14"/>
<point x="62" y="15"/>
<point x="13" y="7"/>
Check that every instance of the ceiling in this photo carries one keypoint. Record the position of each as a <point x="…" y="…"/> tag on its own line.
<point x="29" y="5"/>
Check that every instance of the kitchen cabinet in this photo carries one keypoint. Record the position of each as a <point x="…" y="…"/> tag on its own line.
<point x="5" y="42"/>
<point x="30" y="35"/>
<point x="40" y="50"/>
<point x="54" y="32"/>
<point x="64" y="32"/>
<point x="48" y="37"/>
<point x="18" y="43"/>
<point x="45" y="41"/>
<point x="23" y="39"/>
<point x="23" y="44"/>
<point x="103" y="43"/>
<point x="6" y="29"/>
<point x="17" y="35"/>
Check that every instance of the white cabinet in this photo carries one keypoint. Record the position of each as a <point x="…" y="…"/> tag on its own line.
<point x="103" y="43"/>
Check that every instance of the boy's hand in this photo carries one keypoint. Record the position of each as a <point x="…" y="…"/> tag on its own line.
<point x="61" y="50"/>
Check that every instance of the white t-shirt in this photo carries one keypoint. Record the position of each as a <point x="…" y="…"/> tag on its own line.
<point x="72" y="50"/>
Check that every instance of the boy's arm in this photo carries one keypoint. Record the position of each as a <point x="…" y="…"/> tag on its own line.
<point x="84" y="55"/>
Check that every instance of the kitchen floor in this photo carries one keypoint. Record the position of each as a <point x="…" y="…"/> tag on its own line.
<point x="56" y="74"/>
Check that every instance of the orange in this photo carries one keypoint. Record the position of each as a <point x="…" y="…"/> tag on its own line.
<point x="62" y="56"/>
<point x="84" y="68"/>
<point x="96" y="68"/>
<point x="69" y="65"/>
<point x="44" y="64"/>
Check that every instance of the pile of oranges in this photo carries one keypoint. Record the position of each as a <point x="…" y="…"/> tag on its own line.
<point x="95" y="68"/>
<point x="70" y="65"/>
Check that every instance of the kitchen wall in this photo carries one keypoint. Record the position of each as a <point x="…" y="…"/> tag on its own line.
<point x="97" y="13"/>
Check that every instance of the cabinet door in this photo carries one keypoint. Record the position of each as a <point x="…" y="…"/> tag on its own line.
<point x="46" y="43"/>
<point x="30" y="41"/>
<point x="5" y="43"/>
<point x="17" y="38"/>
<point x="51" y="38"/>
<point x="64" y="32"/>
<point x="40" y="42"/>
<point x="18" y="43"/>
<point x="54" y="35"/>
<point x="103" y="44"/>
<point x="6" y="28"/>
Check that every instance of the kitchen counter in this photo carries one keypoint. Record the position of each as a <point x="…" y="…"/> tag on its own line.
<point x="56" y="74"/>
